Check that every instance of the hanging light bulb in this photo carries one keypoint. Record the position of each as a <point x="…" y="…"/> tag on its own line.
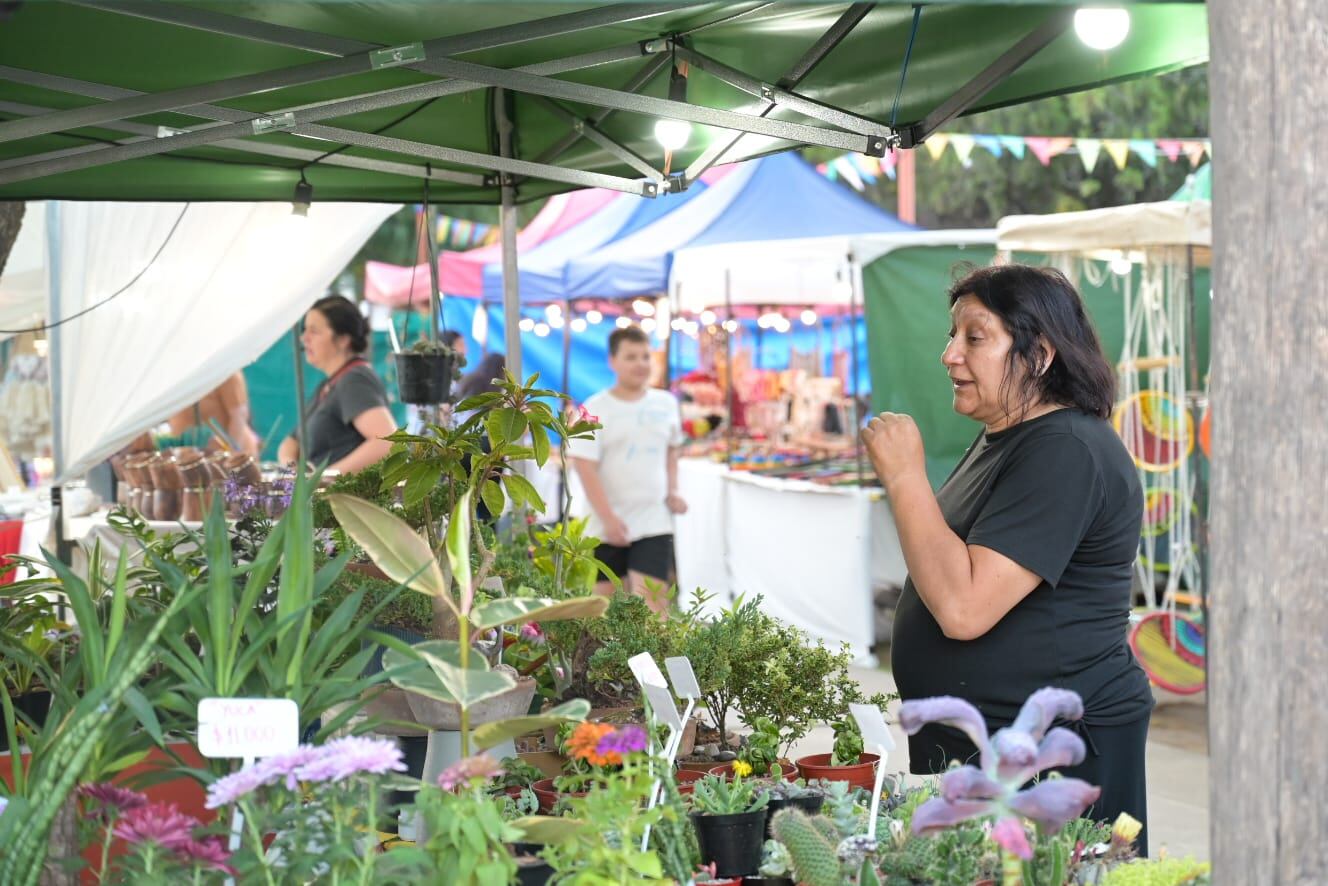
<point x="677" y="324"/>
<point x="643" y="308"/>
<point x="1121" y="265"/>
<point x="578" y="324"/>
<point x="673" y="134"/>
<point x="541" y="329"/>
<point x="304" y="197"/>
<point x="730" y="325"/>
<point x="692" y="328"/>
<point x="707" y="318"/>
<point x="622" y="322"/>
<point x="594" y="317"/>
<point x="553" y="310"/>
<point x="1102" y="29"/>
<point x="648" y="324"/>
<point x="526" y="324"/>
<point x="556" y="321"/>
<point x="782" y="324"/>
<point x="808" y="317"/>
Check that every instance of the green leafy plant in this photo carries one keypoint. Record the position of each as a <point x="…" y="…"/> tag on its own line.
<point x="567" y="548"/>
<point x="716" y="796"/>
<point x="1160" y="872"/>
<point x="848" y="746"/>
<point x="761" y="749"/>
<point x="517" y="773"/>
<point x="468" y="833"/>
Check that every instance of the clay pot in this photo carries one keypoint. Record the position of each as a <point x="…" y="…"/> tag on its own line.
<point x="244" y="469"/>
<point x="196" y="479"/>
<point x="861" y="774"/>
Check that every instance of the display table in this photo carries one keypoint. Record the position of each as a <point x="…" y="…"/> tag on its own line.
<point x="813" y="552"/>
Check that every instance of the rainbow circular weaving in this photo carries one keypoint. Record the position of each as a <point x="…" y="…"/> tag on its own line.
<point x="1165" y="666"/>
<point x="1158" y="431"/>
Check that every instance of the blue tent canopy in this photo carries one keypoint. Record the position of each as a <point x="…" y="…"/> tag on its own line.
<point x="776" y="198"/>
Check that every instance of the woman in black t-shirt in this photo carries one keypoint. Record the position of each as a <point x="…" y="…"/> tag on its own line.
<point x="1020" y="566"/>
<point x="349" y="416"/>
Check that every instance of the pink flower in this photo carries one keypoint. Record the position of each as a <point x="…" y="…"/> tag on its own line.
<point x="1009" y="835"/>
<point x="460" y="773"/>
<point x="209" y="853"/>
<point x="530" y="631"/>
<point x="111" y="796"/>
<point x="343" y="757"/>
<point x="288" y="765"/>
<point x="583" y="414"/>
<point x="160" y="823"/>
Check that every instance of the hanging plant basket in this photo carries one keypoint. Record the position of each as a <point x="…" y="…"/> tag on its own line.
<point x="424" y="379"/>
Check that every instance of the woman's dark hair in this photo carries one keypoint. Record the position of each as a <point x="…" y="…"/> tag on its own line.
<point x="345" y="318"/>
<point x="481" y="380"/>
<point x="1038" y="303"/>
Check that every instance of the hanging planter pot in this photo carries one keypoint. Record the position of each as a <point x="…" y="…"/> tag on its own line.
<point x="424" y="377"/>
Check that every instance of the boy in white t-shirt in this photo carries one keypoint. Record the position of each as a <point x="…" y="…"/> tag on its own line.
<point x="630" y="471"/>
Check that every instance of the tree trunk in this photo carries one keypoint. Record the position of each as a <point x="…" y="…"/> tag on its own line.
<point x="1268" y="659"/>
<point x="11" y="219"/>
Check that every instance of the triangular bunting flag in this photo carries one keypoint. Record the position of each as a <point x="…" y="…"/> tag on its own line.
<point x="1119" y="151"/>
<point x="1046" y="148"/>
<point x="990" y="143"/>
<point x="963" y="147"/>
<point x="1145" y="149"/>
<point x="1170" y="147"/>
<point x="1194" y="151"/>
<point x="1014" y="144"/>
<point x="937" y="144"/>
<point x="847" y="171"/>
<point x="1089" y="150"/>
<point x="867" y="167"/>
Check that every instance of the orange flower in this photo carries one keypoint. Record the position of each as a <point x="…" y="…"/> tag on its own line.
<point x="584" y="744"/>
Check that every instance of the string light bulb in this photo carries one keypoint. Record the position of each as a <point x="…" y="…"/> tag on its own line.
<point x="594" y="318"/>
<point x="808" y="317"/>
<point x="526" y="324"/>
<point x="1102" y="28"/>
<point x="303" y="198"/>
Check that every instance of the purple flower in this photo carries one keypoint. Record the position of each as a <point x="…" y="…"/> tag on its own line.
<point x="460" y="773"/>
<point x="111" y="796"/>
<point x="160" y="823"/>
<point x="1009" y="835"/>
<point x="209" y="853"/>
<point x="230" y="788"/>
<point x="1009" y="759"/>
<point x="625" y="740"/>
<point x="343" y="757"/>
<point x="950" y="711"/>
<point x="4" y="804"/>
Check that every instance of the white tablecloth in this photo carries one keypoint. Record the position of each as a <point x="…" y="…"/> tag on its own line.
<point x="813" y="552"/>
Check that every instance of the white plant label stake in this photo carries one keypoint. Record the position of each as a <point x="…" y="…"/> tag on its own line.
<point x="246" y="728"/>
<point x="659" y="706"/>
<point x="646" y="671"/>
<point x="875" y="734"/>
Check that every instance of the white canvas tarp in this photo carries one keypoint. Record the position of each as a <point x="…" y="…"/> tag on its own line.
<point x="1139" y="226"/>
<point x="196" y="291"/>
<point x="23" y="281"/>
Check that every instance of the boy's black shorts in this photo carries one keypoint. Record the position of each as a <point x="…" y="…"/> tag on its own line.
<point x="651" y="557"/>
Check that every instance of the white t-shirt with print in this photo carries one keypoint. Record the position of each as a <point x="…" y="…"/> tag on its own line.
<point x="632" y="449"/>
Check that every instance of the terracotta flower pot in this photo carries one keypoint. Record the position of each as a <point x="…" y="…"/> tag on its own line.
<point x="861" y="774"/>
<point x="549" y="795"/>
<point x="687" y="779"/>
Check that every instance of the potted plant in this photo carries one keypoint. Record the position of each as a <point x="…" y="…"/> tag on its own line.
<point x="729" y="817"/>
<point x="784" y="794"/>
<point x="847" y="762"/>
<point x="706" y="874"/>
<point x="425" y="372"/>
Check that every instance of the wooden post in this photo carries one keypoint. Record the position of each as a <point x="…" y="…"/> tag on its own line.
<point x="1268" y="652"/>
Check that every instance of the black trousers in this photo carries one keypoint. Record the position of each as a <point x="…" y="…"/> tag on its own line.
<point x="1115" y="762"/>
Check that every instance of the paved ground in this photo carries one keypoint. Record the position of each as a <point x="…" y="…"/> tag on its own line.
<point x="1177" y="768"/>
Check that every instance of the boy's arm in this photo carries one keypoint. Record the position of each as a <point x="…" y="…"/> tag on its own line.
<point x="615" y="530"/>
<point x="677" y="504"/>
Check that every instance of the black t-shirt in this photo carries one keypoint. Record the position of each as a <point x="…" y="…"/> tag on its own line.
<point x="332" y="434"/>
<point x="1059" y="495"/>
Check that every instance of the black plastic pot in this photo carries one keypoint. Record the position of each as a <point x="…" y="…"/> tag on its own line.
<point x="424" y="379"/>
<point x="809" y="805"/>
<point x="537" y="874"/>
<point x="732" y="842"/>
<point x="767" y="881"/>
<point x="35" y="704"/>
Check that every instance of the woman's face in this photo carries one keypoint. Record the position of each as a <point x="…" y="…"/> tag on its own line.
<point x="323" y="348"/>
<point x="976" y="360"/>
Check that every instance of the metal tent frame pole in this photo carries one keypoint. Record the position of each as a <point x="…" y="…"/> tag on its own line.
<point x="507" y="216"/>
<point x="855" y="297"/>
<point x="728" y="360"/>
<point x="567" y="346"/>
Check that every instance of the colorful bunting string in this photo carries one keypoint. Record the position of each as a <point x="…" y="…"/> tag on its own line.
<point x="859" y="171"/>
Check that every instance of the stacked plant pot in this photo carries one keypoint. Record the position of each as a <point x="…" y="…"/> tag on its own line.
<point x="139" y="496"/>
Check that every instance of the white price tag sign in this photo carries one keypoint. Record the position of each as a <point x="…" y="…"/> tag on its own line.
<point x="661" y="704"/>
<point x="247" y="727"/>
<point x="683" y="677"/>
<point x="646" y="671"/>
<point x="871" y="722"/>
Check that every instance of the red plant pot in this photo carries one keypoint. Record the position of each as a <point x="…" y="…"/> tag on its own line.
<point x="687" y="779"/>
<point x="861" y="774"/>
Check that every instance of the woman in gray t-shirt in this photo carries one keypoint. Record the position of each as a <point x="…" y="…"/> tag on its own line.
<point x="349" y="416"/>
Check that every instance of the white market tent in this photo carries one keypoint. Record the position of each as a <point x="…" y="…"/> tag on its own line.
<point x="811" y="272"/>
<point x="155" y="304"/>
<point x="24" y="284"/>
<point x="1136" y="227"/>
